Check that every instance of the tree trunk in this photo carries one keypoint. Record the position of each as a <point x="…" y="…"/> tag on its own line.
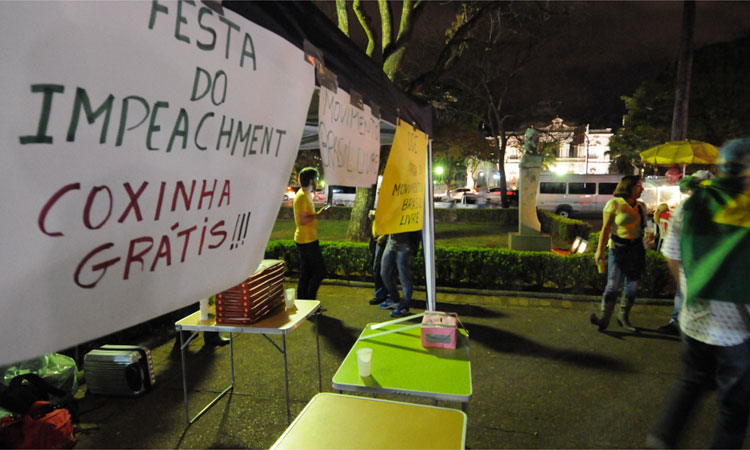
<point x="501" y="167"/>
<point x="360" y="225"/>
<point x="684" y="69"/>
<point x="342" y="16"/>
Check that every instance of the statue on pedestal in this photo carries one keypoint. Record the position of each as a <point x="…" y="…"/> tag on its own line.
<point x="530" y="168"/>
<point x="529" y="236"/>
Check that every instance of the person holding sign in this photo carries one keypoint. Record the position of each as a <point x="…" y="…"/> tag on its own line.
<point x="312" y="268"/>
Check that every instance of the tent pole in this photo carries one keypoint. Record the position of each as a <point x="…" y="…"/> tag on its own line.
<point x="428" y="233"/>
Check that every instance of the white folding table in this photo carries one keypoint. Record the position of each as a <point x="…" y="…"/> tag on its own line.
<point x="283" y="323"/>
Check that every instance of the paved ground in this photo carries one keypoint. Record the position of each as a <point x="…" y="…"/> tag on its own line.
<point x="543" y="378"/>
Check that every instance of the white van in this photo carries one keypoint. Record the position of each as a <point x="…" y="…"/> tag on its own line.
<point x="342" y="195"/>
<point x="569" y="194"/>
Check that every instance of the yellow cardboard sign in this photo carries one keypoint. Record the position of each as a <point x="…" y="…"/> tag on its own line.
<point x="401" y="197"/>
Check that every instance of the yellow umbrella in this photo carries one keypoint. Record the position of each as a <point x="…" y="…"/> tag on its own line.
<point x="681" y="152"/>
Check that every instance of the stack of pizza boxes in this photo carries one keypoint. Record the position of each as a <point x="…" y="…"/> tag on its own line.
<point x="255" y="298"/>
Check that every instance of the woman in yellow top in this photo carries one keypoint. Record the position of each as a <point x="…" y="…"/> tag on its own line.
<point x="624" y="219"/>
<point x="312" y="268"/>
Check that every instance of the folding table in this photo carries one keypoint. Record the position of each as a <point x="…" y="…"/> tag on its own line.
<point x="283" y="323"/>
<point x="400" y="365"/>
<point x="333" y="421"/>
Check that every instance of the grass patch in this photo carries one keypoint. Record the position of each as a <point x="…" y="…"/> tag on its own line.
<point x="485" y="235"/>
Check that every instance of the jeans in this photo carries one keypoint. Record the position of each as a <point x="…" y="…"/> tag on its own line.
<point x="377" y="251"/>
<point x="615" y="276"/>
<point x="399" y="255"/>
<point x="704" y="367"/>
<point x="677" y="305"/>
<point x="312" y="270"/>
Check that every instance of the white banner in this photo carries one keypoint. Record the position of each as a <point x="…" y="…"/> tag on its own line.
<point x="349" y="140"/>
<point x="144" y="150"/>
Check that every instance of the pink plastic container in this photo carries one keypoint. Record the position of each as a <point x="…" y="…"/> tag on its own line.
<point x="439" y="329"/>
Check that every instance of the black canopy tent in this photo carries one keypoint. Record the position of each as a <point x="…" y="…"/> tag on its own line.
<point x="300" y="21"/>
<point x="304" y="25"/>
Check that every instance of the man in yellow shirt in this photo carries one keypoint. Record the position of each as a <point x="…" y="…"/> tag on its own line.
<point x="312" y="268"/>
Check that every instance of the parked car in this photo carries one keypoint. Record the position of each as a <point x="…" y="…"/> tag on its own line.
<point x="319" y="196"/>
<point x="343" y="195"/>
<point x="494" y="195"/>
<point x="439" y="190"/>
<point x="458" y="194"/>
<point x="290" y="192"/>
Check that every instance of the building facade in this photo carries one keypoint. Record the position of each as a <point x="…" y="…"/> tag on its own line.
<point x="581" y="150"/>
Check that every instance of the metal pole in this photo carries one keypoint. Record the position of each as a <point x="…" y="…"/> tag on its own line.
<point x="286" y="381"/>
<point x="231" y="354"/>
<point x="428" y="233"/>
<point x="317" y="344"/>
<point x="184" y="377"/>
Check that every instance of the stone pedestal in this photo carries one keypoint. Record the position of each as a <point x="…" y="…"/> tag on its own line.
<point x="529" y="236"/>
<point x="529" y="242"/>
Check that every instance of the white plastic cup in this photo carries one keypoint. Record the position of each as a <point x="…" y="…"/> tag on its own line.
<point x="364" y="361"/>
<point x="204" y="308"/>
<point x="289" y="297"/>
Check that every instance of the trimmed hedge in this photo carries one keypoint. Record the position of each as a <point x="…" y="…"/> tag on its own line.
<point x="562" y="228"/>
<point x="335" y="213"/>
<point x="485" y="268"/>
<point x="500" y="216"/>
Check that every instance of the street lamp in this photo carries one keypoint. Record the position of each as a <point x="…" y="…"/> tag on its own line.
<point x="439" y="172"/>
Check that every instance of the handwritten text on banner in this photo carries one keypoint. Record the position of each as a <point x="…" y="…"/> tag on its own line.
<point x="140" y="144"/>
<point x="349" y="140"/>
<point x="401" y="196"/>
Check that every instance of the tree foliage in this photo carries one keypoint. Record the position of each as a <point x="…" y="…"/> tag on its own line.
<point x="460" y="145"/>
<point x="502" y="41"/>
<point x="392" y="50"/>
<point x="391" y="53"/>
<point x="719" y="104"/>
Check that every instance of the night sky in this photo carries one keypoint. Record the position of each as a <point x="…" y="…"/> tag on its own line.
<point x="609" y="48"/>
<point x="604" y="51"/>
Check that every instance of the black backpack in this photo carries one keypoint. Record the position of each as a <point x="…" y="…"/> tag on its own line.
<point x="24" y="390"/>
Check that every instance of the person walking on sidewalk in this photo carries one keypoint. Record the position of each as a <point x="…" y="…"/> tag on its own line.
<point x="624" y="219"/>
<point x="687" y="185"/>
<point x="707" y="249"/>
<point x="399" y="251"/>
<point x="312" y="267"/>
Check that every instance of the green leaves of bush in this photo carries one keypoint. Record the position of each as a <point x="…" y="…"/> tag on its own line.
<point x="485" y="268"/>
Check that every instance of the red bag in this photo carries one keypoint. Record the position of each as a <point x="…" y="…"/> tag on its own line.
<point x="47" y="427"/>
<point x="11" y="433"/>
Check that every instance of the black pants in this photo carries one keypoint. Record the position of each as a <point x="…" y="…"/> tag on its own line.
<point x="312" y="270"/>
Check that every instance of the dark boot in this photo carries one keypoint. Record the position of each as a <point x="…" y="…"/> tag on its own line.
<point x="623" y="317"/>
<point x="607" y="307"/>
<point x="214" y="339"/>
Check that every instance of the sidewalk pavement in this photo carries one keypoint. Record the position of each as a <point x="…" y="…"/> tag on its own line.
<point x="543" y="377"/>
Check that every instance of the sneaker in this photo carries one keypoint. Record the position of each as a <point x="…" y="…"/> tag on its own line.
<point x="377" y="301"/>
<point x="400" y="312"/>
<point x="671" y="328"/>
<point x="388" y="304"/>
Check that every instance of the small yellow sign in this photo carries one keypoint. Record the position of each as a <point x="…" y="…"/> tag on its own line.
<point x="401" y="197"/>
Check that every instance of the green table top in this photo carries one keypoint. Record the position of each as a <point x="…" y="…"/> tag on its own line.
<point x="332" y="421"/>
<point x="400" y="365"/>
